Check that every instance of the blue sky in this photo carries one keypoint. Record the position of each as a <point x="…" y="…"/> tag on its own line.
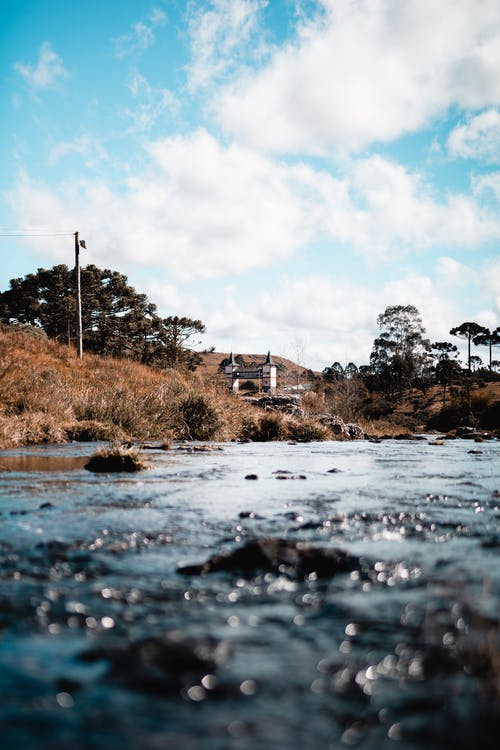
<point x="282" y="169"/>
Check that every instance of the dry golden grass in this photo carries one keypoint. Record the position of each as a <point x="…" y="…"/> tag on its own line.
<point x="48" y="395"/>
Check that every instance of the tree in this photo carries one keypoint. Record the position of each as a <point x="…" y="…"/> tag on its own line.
<point x="176" y="337"/>
<point x="351" y="370"/>
<point x="476" y="362"/>
<point x="447" y="367"/>
<point x="116" y="320"/>
<point x="488" y="338"/>
<point x="334" y="373"/>
<point x="468" y="331"/>
<point x="400" y="353"/>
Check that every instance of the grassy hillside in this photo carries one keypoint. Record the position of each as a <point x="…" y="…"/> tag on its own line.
<point x="48" y="395"/>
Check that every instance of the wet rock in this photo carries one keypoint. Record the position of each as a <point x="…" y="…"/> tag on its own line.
<point x="286" y="404"/>
<point x="276" y="555"/>
<point x="464" y="431"/>
<point x="355" y="431"/>
<point x="250" y="514"/>
<point x="164" y="664"/>
<point x="285" y="474"/>
<point x="199" y="448"/>
<point x="335" y="424"/>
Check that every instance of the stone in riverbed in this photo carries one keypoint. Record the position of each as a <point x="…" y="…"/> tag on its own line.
<point x="164" y="664"/>
<point x="276" y="555"/>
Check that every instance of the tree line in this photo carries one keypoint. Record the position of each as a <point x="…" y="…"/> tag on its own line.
<point x="117" y="321"/>
<point x="402" y="356"/>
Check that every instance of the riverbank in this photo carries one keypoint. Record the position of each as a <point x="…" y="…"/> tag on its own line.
<point x="48" y="395"/>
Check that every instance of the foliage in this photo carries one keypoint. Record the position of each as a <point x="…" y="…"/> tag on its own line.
<point x="226" y="361"/>
<point x="334" y="373"/>
<point x="47" y="394"/>
<point x="490" y="339"/>
<point x="468" y="331"/>
<point x="447" y="369"/>
<point x="175" y="340"/>
<point x="400" y="353"/>
<point x="116" y="459"/>
<point x="116" y="320"/>
<point x="199" y="417"/>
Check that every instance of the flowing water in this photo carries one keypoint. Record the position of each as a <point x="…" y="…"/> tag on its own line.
<point x="401" y="650"/>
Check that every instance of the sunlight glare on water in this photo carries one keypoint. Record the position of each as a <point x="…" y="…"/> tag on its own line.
<point x="156" y="610"/>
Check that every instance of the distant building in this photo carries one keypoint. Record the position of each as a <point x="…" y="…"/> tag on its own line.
<point x="265" y="374"/>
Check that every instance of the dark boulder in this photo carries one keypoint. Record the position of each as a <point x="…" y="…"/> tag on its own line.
<point x="163" y="664"/>
<point x="296" y="559"/>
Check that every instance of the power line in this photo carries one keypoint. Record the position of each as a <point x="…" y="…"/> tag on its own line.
<point x="36" y="234"/>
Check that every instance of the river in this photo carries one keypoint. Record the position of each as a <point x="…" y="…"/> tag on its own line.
<point x="106" y="642"/>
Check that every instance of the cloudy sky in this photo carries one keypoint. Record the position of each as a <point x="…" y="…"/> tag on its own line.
<point x="282" y="169"/>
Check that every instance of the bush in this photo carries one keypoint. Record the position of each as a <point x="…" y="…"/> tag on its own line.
<point x="116" y="460"/>
<point x="305" y="430"/>
<point x="269" y="426"/>
<point x="200" y="418"/>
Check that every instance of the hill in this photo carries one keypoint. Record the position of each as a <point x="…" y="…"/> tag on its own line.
<point x="288" y="373"/>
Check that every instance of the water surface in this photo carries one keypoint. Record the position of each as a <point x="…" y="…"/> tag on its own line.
<point x="400" y="651"/>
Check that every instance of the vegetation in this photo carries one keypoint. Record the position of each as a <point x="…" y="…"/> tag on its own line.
<point x="490" y="339"/>
<point x="400" y="383"/>
<point x="116" y="320"/>
<point x="468" y="331"/>
<point x="116" y="459"/>
<point x="400" y="353"/>
<point x="48" y="395"/>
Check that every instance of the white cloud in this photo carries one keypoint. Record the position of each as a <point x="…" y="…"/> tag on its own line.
<point x="48" y="71"/>
<point x="85" y="145"/>
<point x="384" y="211"/>
<point x="199" y="209"/>
<point x="141" y="36"/>
<point x="452" y="274"/>
<point x="478" y="138"/>
<point x="220" y="37"/>
<point x="487" y="186"/>
<point x="367" y="71"/>
<point x="151" y="103"/>
<point x="337" y="318"/>
<point x="490" y="283"/>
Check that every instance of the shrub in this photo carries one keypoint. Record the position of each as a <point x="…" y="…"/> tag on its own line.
<point x="116" y="459"/>
<point x="199" y="417"/>
<point x="305" y="430"/>
<point x="268" y="426"/>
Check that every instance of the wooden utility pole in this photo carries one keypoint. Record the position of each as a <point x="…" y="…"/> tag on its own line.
<point x="79" y="339"/>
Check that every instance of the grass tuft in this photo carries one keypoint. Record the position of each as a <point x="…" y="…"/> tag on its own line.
<point x="116" y="459"/>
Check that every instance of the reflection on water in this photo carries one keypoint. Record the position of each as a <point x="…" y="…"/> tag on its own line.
<point x="103" y="643"/>
<point x="33" y="462"/>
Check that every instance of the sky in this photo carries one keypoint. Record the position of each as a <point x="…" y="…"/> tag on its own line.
<point x="283" y="170"/>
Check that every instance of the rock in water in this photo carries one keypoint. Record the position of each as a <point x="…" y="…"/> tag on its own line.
<point x="297" y="559"/>
<point x="164" y="664"/>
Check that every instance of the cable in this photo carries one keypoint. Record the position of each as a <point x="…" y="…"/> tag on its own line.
<point x="36" y="234"/>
